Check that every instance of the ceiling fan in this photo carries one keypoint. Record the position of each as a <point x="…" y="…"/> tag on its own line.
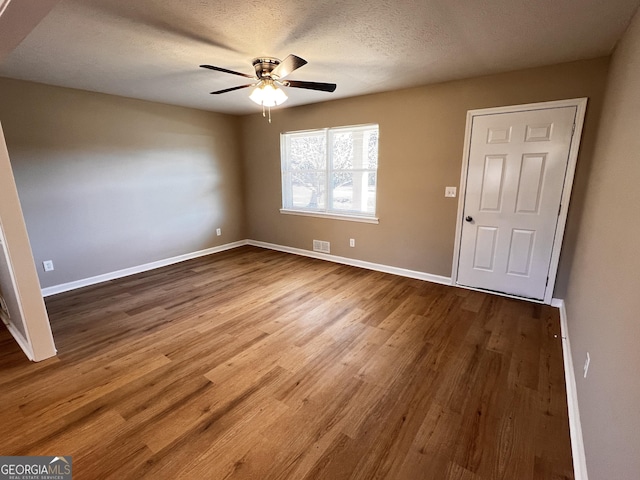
<point x="270" y="74"/>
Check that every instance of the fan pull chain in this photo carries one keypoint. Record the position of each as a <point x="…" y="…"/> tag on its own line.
<point x="264" y="113"/>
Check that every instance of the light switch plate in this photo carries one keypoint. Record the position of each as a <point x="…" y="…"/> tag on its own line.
<point x="450" y="191"/>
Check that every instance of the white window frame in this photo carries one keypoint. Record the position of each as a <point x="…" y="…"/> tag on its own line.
<point x="327" y="212"/>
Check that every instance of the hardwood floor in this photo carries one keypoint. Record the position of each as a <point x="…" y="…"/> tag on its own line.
<point x="258" y="364"/>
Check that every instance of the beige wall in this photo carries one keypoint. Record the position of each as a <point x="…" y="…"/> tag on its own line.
<point x="603" y="301"/>
<point x="108" y="183"/>
<point x="420" y="152"/>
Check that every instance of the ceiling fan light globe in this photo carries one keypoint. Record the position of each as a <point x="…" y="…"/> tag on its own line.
<point x="280" y="97"/>
<point x="268" y="95"/>
<point x="257" y="95"/>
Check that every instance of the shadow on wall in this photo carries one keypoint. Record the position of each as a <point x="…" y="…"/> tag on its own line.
<point x="109" y="183"/>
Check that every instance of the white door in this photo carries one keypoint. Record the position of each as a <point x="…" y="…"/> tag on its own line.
<point x="514" y="187"/>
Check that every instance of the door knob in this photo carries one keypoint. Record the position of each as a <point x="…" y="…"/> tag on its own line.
<point x="469" y="219"/>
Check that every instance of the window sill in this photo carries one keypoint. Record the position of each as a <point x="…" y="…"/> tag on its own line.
<point x="333" y="216"/>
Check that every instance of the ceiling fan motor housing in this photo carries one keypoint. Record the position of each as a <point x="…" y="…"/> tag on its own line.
<point x="264" y="66"/>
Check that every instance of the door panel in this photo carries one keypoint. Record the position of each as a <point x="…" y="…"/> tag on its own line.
<point x="515" y="178"/>
<point x="485" y="248"/>
<point x="530" y="183"/>
<point x="521" y="252"/>
<point x="491" y="194"/>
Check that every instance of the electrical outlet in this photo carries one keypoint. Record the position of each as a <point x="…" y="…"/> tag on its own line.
<point x="450" y="192"/>
<point x="352" y="242"/>
<point x="218" y="231"/>
<point x="586" y="365"/>
<point x="48" y="265"/>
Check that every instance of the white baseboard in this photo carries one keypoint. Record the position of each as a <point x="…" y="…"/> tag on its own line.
<point x="403" y="272"/>
<point x="575" y="428"/>
<point x="85" y="282"/>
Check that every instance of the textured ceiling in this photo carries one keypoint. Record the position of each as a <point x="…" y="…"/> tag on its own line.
<point x="151" y="49"/>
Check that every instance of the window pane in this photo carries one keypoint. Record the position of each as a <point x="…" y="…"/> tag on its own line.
<point x="330" y="170"/>
<point x="372" y="149"/>
<point x="356" y="149"/>
<point x="354" y="192"/>
<point x="342" y="150"/>
<point x="307" y="152"/>
<point x="308" y="190"/>
<point x="372" y="187"/>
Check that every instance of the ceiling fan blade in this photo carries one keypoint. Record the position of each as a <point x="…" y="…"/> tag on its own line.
<point x="288" y="65"/>
<point x="231" y="89"/>
<point x="220" y="69"/>
<point x="324" y="87"/>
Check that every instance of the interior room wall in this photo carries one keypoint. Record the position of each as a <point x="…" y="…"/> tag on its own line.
<point x="108" y="183"/>
<point x="420" y="152"/>
<point x="602" y="298"/>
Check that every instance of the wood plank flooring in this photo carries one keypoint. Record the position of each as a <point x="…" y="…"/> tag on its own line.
<point x="254" y="364"/>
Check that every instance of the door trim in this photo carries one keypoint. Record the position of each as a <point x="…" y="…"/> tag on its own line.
<point x="581" y="106"/>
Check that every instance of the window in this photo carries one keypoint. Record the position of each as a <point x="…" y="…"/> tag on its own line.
<point x="330" y="172"/>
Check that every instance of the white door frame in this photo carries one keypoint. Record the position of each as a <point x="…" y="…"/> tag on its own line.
<point x="581" y="106"/>
<point x="25" y="343"/>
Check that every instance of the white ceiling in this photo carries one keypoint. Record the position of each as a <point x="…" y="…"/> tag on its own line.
<point x="151" y="49"/>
